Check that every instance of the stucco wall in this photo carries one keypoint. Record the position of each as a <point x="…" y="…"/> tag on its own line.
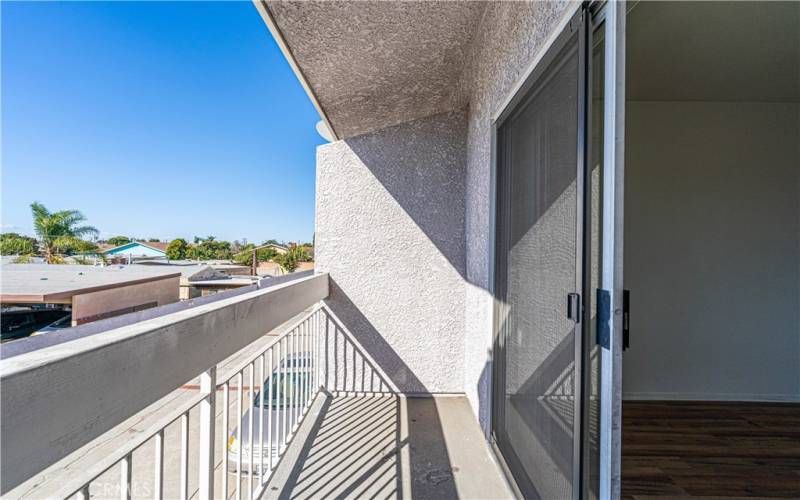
<point x="509" y="38"/>
<point x="403" y="218"/>
<point x="390" y="231"/>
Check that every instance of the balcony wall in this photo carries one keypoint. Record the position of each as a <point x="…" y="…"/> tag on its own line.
<point x="404" y="213"/>
<point x="390" y="231"/>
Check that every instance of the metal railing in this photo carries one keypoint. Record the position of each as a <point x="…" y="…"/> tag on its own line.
<point x="60" y="401"/>
<point x="225" y="449"/>
<point x="288" y="371"/>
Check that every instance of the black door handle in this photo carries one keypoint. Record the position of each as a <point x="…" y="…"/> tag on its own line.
<point x="574" y="307"/>
<point x="626" y="319"/>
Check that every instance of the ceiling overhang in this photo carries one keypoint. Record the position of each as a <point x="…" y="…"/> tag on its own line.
<point x="372" y="64"/>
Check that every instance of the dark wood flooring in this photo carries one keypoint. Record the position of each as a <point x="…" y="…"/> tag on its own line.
<point x="710" y="449"/>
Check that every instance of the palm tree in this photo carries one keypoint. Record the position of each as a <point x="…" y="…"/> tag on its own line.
<point x="60" y="231"/>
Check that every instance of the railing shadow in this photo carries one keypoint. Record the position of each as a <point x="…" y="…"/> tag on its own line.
<point x="368" y="434"/>
<point x="349" y="369"/>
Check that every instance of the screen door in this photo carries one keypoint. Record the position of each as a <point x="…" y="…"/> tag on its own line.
<point x="539" y="274"/>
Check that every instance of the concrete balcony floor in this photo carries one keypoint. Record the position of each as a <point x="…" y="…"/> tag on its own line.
<point x="389" y="446"/>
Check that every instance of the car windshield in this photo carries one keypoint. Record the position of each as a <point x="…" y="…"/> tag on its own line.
<point x="64" y="322"/>
<point x="288" y="382"/>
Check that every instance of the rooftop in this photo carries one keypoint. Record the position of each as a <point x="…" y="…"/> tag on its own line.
<point x="48" y="283"/>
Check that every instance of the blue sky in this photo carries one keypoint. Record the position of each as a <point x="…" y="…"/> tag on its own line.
<point x="155" y="119"/>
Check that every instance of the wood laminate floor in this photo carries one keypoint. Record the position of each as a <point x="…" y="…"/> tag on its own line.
<point x="709" y="449"/>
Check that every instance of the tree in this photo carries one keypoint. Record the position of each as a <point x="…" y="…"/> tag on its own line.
<point x="292" y="258"/>
<point x="245" y="257"/>
<point x="17" y="244"/>
<point x="60" y="232"/>
<point x="176" y="250"/>
<point x="153" y="240"/>
<point x="118" y="240"/>
<point x="209" y="249"/>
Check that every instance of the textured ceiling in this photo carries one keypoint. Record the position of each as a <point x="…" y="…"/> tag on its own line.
<point x="378" y="63"/>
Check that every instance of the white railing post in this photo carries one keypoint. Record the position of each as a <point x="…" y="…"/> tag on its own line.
<point x="208" y="386"/>
<point x="126" y="471"/>
<point x="158" y="459"/>
<point x="184" y="487"/>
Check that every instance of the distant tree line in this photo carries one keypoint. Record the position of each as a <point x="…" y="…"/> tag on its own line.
<point x="64" y="233"/>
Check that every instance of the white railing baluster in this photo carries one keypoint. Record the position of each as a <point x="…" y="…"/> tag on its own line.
<point x="250" y="430"/>
<point x="261" y="396"/>
<point x="314" y="353"/>
<point x="283" y="399"/>
<point x="126" y="471"/>
<point x="184" y="494"/>
<point x="226" y="400"/>
<point x="83" y="494"/>
<point x="158" y="480"/>
<point x="292" y="388"/>
<point x="302" y="368"/>
<point x="269" y="415"/>
<point x="309" y="380"/>
<point x="307" y="370"/>
<point x="240" y="379"/>
<point x="208" y="386"/>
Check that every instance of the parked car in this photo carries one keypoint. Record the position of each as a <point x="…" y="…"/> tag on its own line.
<point x="59" y="324"/>
<point x="18" y="323"/>
<point x="297" y="369"/>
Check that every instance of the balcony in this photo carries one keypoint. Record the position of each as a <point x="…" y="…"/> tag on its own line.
<point x="259" y="395"/>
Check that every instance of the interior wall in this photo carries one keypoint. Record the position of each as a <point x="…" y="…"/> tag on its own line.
<point x="712" y="250"/>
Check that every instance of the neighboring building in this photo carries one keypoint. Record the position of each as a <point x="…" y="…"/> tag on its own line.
<point x="199" y="287"/>
<point x="136" y="250"/>
<point x="92" y="292"/>
<point x="201" y="278"/>
<point x="228" y="267"/>
<point x="280" y="249"/>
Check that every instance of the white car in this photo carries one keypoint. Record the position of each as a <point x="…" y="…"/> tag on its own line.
<point x="297" y="371"/>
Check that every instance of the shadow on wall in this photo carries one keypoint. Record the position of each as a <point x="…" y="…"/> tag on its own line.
<point x="367" y="436"/>
<point x="355" y="350"/>
<point x="422" y="164"/>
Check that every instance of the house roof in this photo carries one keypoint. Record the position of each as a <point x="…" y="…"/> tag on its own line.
<point x="43" y="283"/>
<point x="369" y="65"/>
<point x="158" y="246"/>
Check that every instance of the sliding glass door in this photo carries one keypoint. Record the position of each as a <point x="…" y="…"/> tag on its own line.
<point x="554" y="375"/>
<point x="537" y="408"/>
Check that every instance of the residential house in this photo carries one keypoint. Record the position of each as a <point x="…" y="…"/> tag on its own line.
<point x="136" y="250"/>
<point x="89" y="292"/>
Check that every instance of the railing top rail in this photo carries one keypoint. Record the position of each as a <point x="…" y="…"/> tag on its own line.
<point x="94" y="383"/>
<point x="52" y="354"/>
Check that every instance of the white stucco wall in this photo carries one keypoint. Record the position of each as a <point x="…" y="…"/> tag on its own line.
<point x="403" y="218"/>
<point x="390" y="231"/>
<point x="508" y="40"/>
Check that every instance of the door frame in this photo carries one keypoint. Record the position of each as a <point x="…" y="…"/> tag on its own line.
<point x="613" y="15"/>
<point x="613" y="197"/>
